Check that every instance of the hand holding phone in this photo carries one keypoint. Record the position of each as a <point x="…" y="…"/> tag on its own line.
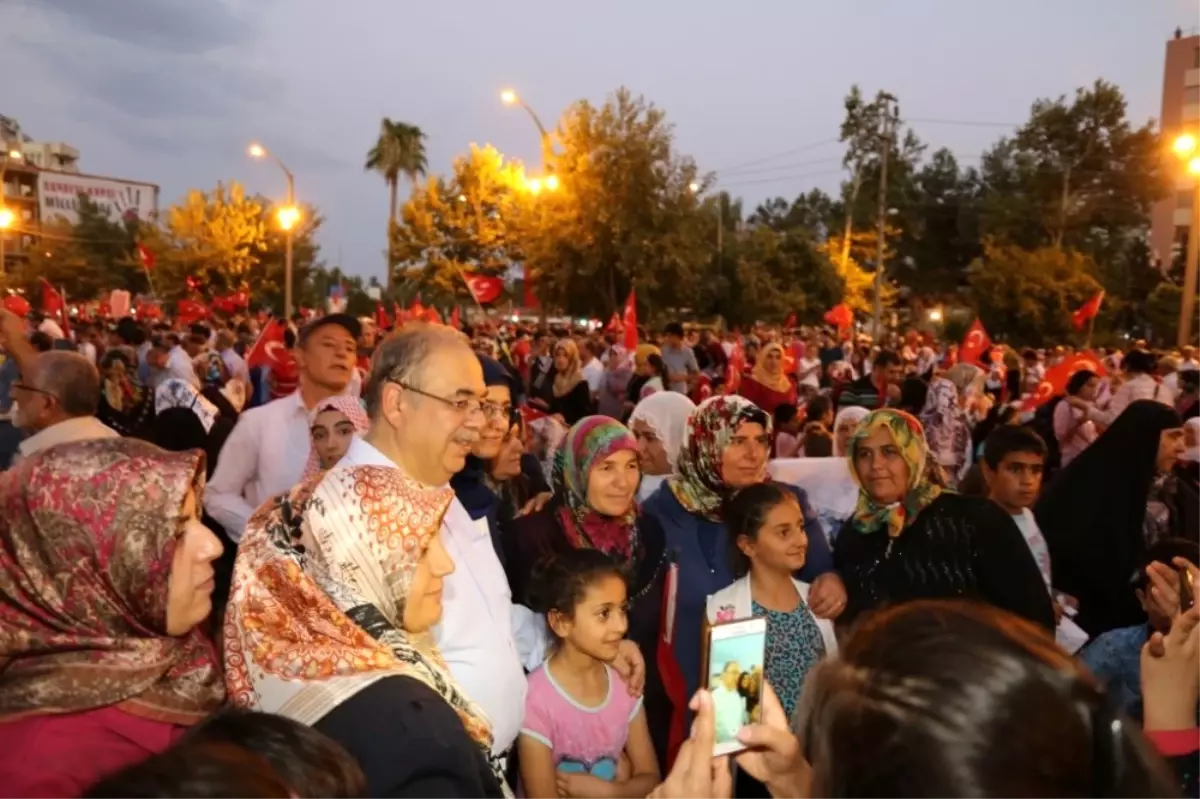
<point x="734" y="663"/>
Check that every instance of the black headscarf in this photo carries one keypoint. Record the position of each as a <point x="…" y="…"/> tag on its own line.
<point x="1093" y="516"/>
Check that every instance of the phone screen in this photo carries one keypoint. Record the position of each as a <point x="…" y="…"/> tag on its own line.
<point x="735" y="663"/>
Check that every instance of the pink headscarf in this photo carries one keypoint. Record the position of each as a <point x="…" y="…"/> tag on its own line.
<point x="349" y="407"/>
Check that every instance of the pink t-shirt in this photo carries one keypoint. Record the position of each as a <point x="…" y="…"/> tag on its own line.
<point x="584" y="740"/>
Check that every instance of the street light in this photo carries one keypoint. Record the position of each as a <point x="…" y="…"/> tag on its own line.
<point x="510" y="97"/>
<point x="6" y="216"/>
<point x="534" y="185"/>
<point x="287" y="216"/>
<point x="1185" y="147"/>
<point x="552" y="182"/>
<point x="694" y="187"/>
<point x="935" y="315"/>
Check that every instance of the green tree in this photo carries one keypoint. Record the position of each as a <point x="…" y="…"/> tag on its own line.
<point x="398" y="152"/>
<point x="943" y="233"/>
<point x="1162" y="312"/>
<point x="778" y="274"/>
<point x="475" y="221"/>
<point x="624" y="211"/>
<point x="1028" y="296"/>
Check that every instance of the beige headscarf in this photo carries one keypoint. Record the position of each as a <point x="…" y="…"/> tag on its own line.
<point x="565" y="381"/>
<point x="776" y="381"/>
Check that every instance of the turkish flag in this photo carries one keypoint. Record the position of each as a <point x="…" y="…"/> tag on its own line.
<point x="270" y="350"/>
<point x="839" y="316"/>
<point x="790" y="322"/>
<point x="381" y="317"/>
<point x="614" y="324"/>
<point x="630" y="322"/>
<point x="16" y="304"/>
<point x="52" y="301"/>
<point x="1088" y="311"/>
<point x="484" y="288"/>
<point x="734" y="368"/>
<point x="975" y="344"/>
<point x="145" y="256"/>
<point x="1055" y="381"/>
<point x="189" y="311"/>
<point x="455" y="321"/>
<point x="149" y="310"/>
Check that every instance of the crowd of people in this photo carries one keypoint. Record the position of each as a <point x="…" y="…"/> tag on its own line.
<point x="432" y="562"/>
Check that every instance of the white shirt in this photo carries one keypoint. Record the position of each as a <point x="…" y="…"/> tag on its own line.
<point x="729" y="710"/>
<point x="236" y="365"/>
<point x="804" y="366"/>
<point x="179" y="364"/>
<point x="485" y="639"/>
<point x="593" y="373"/>
<point x="1138" y="387"/>
<point x="263" y="457"/>
<point x="88" y="350"/>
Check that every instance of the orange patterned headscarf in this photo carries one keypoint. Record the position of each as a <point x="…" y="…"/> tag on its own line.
<point x="317" y="605"/>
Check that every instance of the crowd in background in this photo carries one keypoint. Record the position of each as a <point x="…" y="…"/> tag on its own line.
<point x="431" y="562"/>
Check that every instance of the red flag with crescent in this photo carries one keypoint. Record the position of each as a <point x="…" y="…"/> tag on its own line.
<point x="485" y="288"/>
<point x="1055" y="381"/>
<point x="975" y="344"/>
<point x="270" y="349"/>
<point x="1088" y="311"/>
<point x="629" y="321"/>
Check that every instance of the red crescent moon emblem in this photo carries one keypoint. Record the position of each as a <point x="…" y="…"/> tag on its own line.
<point x="975" y="338"/>
<point x="1091" y="366"/>
<point x="1044" y="390"/>
<point x="271" y="348"/>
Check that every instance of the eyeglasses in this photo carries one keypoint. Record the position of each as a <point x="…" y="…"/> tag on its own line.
<point x="467" y="406"/>
<point x="495" y="410"/>
<point x="32" y="390"/>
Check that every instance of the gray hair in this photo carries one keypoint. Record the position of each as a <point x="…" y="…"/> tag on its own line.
<point x="401" y="357"/>
<point x="966" y="377"/>
<point x="71" y="379"/>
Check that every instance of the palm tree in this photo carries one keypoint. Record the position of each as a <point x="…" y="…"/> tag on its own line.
<point x="398" y="152"/>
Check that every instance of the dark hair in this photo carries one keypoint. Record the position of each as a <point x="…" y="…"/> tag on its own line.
<point x="205" y="770"/>
<point x="972" y="483"/>
<point x="312" y="764"/>
<point x="913" y="393"/>
<point x="818" y="407"/>
<point x="41" y="341"/>
<point x="886" y="358"/>
<point x="1189" y="379"/>
<point x="673" y="329"/>
<point x="1165" y="550"/>
<point x="818" y="444"/>
<point x="955" y="698"/>
<point x="784" y="413"/>
<point x="656" y="363"/>
<point x="746" y="513"/>
<point x="1078" y="380"/>
<point x="560" y="581"/>
<point x="1140" y="361"/>
<point x="1007" y="439"/>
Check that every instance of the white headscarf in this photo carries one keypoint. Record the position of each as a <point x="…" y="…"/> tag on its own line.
<point x="666" y="413"/>
<point x="177" y="393"/>
<point x="852" y="414"/>
<point x="1192" y="453"/>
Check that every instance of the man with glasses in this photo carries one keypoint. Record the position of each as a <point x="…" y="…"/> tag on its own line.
<point x="266" y="452"/>
<point x="429" y="405"/>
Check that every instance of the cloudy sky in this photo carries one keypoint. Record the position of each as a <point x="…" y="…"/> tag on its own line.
<point x="171" y="91"/>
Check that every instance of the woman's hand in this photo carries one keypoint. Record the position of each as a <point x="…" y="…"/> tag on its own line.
<point x="1171" y="674"/>
<point x="631" y="667"/>
<point x="774" y="756"/>
<point x="536" y="504"/>
<point x="827" y="596"/>
<point x="696" y="773"/>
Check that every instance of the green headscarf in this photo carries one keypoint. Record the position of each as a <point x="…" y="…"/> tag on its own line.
<point x="923" y="484"/>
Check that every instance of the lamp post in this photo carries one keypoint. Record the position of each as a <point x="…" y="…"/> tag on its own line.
<point x="7" y="217"/>
<point x="510" y="97"/>
<point x="1187" y="148"/>
<point x="287" y="216"/>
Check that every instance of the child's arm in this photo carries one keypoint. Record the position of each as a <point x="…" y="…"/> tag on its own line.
<point x="537" y="767"/>
<point x="644" y="763"/>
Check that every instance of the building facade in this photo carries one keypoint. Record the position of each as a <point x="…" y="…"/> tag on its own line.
<point x="1171" y="218"/>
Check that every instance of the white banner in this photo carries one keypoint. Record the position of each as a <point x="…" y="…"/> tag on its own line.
<point x="58" y="196"/>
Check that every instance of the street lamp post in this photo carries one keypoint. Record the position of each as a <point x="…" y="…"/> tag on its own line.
<point x="1188" y="149"/>
<point x="510" y="97"/>
<point x="287" y="217"/>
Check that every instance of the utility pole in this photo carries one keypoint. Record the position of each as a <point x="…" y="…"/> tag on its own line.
<point x="886" y="131"/>
<point x="1187" y="305"/>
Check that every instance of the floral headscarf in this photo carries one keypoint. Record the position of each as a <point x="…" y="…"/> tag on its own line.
<point x="588" y="443"/>
<point x="177" y="393"/>
<point x="698" y="484"/>
<point x="923" y="487"/>
<point x="89" y="531"/>
<point x="344" y="404"/>
<point x="947" y="428"/>
<point x="317" y="606"/>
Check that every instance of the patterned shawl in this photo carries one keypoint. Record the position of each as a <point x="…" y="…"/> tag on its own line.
<point x="923" y="480"/>
<point x="349" y="407"/>
<point x="87" y="536"/>
<point x="176" y="393"/>
<point x="316" y="610"/>
<point x="947" y="428"/>
<point x="587" y="444"/>
<point x="697" y="483"/>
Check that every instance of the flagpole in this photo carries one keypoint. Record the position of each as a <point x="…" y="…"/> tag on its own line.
<point x="149" y="281"/>
<point x="1091" y="328"/>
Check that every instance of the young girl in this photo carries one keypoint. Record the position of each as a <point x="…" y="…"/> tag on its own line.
<point x="766" y="529"/>
<point x="579" y="716"/>
<point x="333" y="424"/>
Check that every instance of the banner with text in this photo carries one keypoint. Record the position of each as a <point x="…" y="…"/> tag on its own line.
<point x="58" y="196"/>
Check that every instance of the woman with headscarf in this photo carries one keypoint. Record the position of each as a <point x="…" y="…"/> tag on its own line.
<point x="105" y="580"/>
<point x="911" y="539"/>
<point x="594" y="507"/>
<point x="768" y="386"/>
<point x="572" y="398"/>
<point x="185" y="419"/>
<point x="947" y="425"/>
<point x="1097" y="515"/>
<point x="844" y="425"/>
<point x="332" y="425"/>
<point x="659" y="423"/>
<point x="125" y="404"/>
<point x="725" y="449"/>
<point x="337" y="586"/>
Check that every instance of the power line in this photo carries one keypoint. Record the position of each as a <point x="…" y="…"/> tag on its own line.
<point x="779" y="178"/>
<point x="802" y="148"/>
<point x="781" y="167"/>
<point x="968" y="123"/>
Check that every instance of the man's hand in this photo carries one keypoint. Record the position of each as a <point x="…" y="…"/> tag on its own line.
<point x="631" y="667"/>
<point x="774" y="756"/>
<point x="827" y="596"/>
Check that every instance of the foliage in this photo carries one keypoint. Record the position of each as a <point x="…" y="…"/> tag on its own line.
<point x="1028" y="296"/>
<point x="472" y="222"/>
<point x="398" y="152"/>
<point x="1162" y="313"/>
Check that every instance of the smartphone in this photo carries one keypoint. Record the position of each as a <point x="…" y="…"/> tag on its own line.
<point x="734" y="665"/>
<point x="1187" y="591"/>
